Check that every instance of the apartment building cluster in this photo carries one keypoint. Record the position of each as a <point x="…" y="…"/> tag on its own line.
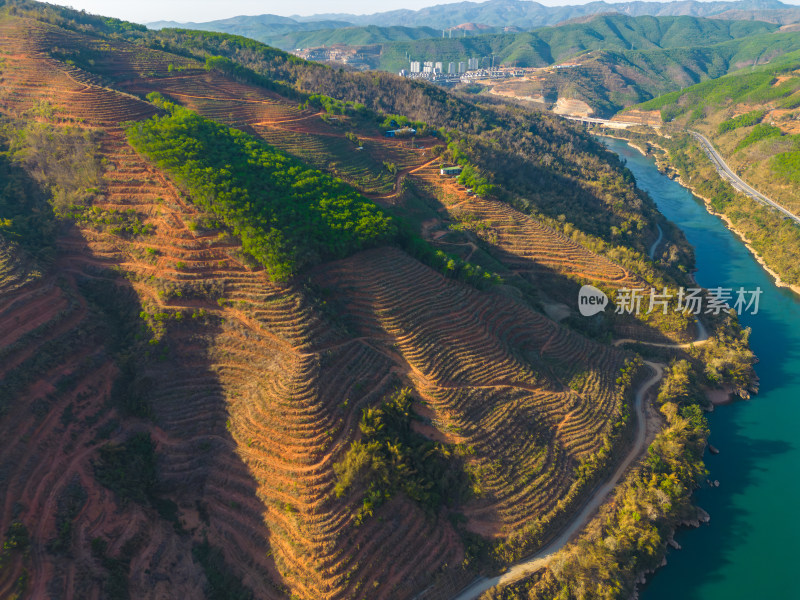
<point x="438" y="68"/>
<point x="451" y="73"/>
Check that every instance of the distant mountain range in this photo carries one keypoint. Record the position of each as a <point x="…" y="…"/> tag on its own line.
<point x="522" y="14"/>
<point x="256" y="27"/>
<point x="548" y="45"/>
<point x="624" y="60"/>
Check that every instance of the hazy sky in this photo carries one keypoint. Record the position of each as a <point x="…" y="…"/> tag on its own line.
<point x="143" y="11"/>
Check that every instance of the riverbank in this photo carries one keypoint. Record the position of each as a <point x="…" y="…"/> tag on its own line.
<point x="710" y="208"/>
<point x="746" y="553"/>
<point x="748" y="244"/>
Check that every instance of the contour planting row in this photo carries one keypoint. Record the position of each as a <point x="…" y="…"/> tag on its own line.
<point x="193" y="408"/>
<point x="279" y="427"/>
<point x="200" y="460"/>
<point x="448" y="331"/>
<point x="60" y="381"/>
<point x="286" y="409"/>
<point x="526" y="244"/>
<point x="260" y="394"/>
<point x="326" y="147"/>
<point x="523" y="468"/>
<point x="457" y="339"/>
<point x="35" y="76"/>
<point x="112" y="59"/>
<point x="344" y="377"/>
<point x="446" y="190"/>
<point x="32" y="81"/>
<point x="215" y="97"/>
<point x="395" y="554"/>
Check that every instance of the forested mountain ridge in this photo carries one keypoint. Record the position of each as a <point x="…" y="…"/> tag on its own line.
<point x="623" y="60"/>
<point x="254" y="26"/>
<point x="609" y="31"/>
<point x="307" y="35"/>
<point x="399" y="410"/>
<point x="519" y="13"/>
<point x="609" y="80"/>
<point x="751" y="117"/>
<point x="549" y="45"/>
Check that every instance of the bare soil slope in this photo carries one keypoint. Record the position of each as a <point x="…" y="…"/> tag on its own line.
<point x="257" y="389"/>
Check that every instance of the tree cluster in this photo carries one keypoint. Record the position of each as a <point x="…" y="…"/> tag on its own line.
<point x="288" y="215"/>
<point x="391" y="457"/>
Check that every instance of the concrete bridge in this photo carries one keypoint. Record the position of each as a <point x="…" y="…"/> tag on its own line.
<point x="605" y="122"/>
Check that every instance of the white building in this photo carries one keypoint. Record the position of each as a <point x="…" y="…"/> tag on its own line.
<point x="415" y="66"/>
<point x="438" y="67"/>
<point x="473" y="63"/>
<point x="462" y="66"/>
<point x="451" y="68"/>
<point x="427" y="67"/>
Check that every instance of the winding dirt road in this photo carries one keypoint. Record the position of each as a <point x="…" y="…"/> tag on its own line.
<point x="542" y="557"/>
<point x="702" y="338"/>
<point x="654" y="247"/>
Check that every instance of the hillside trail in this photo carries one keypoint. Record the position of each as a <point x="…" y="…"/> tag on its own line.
<point x="399" y="177"/>
<point x="398" y="181"/>
<point x="702" y="338"/>
<point x="228" y="99"/>
<point x="543" y="557"/>
<point x="654" y="247"/>
<point x="292" y="120"/>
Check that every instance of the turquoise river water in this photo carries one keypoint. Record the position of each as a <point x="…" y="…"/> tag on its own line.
<point x="747" y="551"/>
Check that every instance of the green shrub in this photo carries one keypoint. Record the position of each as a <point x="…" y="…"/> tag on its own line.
<point x="129" y="469"/>
<point x="393" y="458"/>
<point x="787" y="164"/>
<point x="333" y="106"/>
<point x="745" y="120"/>
<point x="762" y="131"/>
<point x="222" y="583"/>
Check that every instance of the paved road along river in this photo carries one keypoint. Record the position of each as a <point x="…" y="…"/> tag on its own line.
<point x="748" y="550"/>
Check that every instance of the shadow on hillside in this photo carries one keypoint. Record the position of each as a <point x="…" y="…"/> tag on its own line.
<point x="172" y="384"/>
<point x="542" y="285"/>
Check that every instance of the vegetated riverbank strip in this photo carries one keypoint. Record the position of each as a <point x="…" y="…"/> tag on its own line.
<point x="581" y="522"/>
<point x="710" y="208"/>
<point x="753" y="520"/>
<point x="542" y="558"/>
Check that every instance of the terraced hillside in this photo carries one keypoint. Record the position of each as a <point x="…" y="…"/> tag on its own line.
<point x="305" y="133"/>
<point x="479" y="361"/>
<point x="176" y="422"/>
